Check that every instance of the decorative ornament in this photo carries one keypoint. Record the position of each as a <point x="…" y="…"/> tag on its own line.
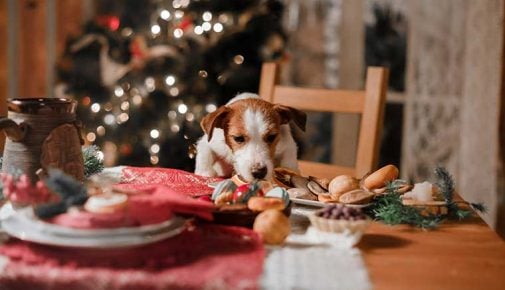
<point x="20" y="190"/>
<point x="111" y="22"/>
<point x="71" y="192"/>
<point x="110" y="71"/>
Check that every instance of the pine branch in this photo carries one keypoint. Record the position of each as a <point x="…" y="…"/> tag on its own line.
<point x="445" y="183"/>
<point x="93" y="164"/>
<point x="390" y="210"/>
<point x="479" y="207"/>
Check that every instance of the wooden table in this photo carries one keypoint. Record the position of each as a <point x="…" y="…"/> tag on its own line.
<point x="458" y="255"/>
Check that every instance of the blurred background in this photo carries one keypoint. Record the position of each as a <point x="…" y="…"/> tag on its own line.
<point x="145" y="72"/>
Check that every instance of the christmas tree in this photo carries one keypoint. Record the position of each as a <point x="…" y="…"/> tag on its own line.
<point x="146" y="72"/>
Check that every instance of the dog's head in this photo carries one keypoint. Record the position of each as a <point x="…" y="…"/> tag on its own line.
<point x="252" y="129"/>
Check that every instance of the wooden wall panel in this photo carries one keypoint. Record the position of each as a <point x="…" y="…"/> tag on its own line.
<point x="32" y="48"/>
<point x="3" y="64"/>
<point x="68" y="22"/>
<point x="500" y="219"/>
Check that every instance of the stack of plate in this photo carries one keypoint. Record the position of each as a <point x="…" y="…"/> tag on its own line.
<point x="24" y="225"/>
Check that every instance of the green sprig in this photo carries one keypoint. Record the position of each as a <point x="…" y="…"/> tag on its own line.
<point x="93" y="163"/>
<point x="446" y="185"/>
<point x="389" y="209"/>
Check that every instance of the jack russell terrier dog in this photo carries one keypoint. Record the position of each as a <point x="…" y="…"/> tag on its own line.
<point x="250" y="137"/>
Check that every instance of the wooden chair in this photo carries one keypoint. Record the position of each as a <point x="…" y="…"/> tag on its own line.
<point x="369" y="103"/>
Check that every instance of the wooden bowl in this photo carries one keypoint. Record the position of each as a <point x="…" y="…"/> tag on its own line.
<point x="242" y="218"/>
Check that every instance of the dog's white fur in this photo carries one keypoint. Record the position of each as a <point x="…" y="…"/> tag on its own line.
<point x="215" y="157"/>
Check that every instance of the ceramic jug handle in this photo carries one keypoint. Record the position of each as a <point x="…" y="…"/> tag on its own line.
<point x="15" y="132"/>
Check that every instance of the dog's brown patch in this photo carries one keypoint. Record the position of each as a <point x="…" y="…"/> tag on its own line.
<point x="230" y="118"/>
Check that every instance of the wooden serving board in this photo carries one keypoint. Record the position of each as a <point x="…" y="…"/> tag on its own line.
<point x="428" y="207"/>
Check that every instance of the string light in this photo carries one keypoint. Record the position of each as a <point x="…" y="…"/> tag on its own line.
<point x="175" y="128"/>
<point x="107" y="107"/>
<point x="172" y="115"/>
<point x="154" y="133"/>
<point x="119" y="92"/>
<point x="155" y="148"/>
<point x="126" y="32"/>
<point x="154" y="160"/>
<point x="179" y="14"/>
<point x="125" y="106"/>
<point x="207" y="16"/>
<point x="109" y="119"/>
<point x="210" y="108"/>
<point x="123" y="117"/>
<point x="182" y="108"/>
<point x="91" y="137"/>
<point x="150" y="84"/>
<point x="176" y="4"/>
<point x="100" y="130"/>
<point x="155" y="29"/>
<point x="218" y="27"/>
<point x="198" y="30"/>
<point x="221" y="79"/>
<point x="178" y="33"/>
<point x="238" y="59"/>
<point x="137" y="100"/>
<point x="86" y="101"/>
<point x="165" y="14"/>
<point x="174" y="92"/>
<point x="203" y="73"/>
<point x="170" y="80"/>
<point x="206" y="26"/>
<point x="95" y="108"/>
<point x="190" y="117"/>
<point x="223" y="18"/>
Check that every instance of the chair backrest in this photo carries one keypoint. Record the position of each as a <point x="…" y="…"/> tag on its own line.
<point x="369" y="103"/>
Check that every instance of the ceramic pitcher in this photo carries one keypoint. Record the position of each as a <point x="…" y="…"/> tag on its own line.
<point x="42" y="134"/>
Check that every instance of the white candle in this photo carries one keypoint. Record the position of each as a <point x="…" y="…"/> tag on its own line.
<point x="421" y="191"/>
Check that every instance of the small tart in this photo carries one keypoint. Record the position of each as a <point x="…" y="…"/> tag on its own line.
<point x="344" y="219"/>
<point x="338" y="226"/>
<point x="106" y="203"/>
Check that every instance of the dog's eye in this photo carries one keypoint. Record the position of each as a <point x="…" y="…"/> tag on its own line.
<point x="239" y="139"/>
<point x="271" y="138"/>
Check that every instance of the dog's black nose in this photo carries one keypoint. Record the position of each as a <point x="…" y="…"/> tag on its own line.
<point x="259" y="173"/>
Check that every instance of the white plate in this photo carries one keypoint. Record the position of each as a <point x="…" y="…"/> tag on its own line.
<point x="26" y="230"/>
<point x="28" y="216"/>
<point x="323" y="204"/>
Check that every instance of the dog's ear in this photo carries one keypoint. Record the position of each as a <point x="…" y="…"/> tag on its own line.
<point x="214" y="120"/>
<point x="287" y="114"/>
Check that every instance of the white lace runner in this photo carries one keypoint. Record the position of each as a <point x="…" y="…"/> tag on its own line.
<point x="314" y="261"/>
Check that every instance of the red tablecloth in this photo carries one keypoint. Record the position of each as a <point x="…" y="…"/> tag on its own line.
<point x="204" y="257"/>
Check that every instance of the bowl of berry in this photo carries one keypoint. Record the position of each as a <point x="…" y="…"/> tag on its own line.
<point x="340" y="220"/>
